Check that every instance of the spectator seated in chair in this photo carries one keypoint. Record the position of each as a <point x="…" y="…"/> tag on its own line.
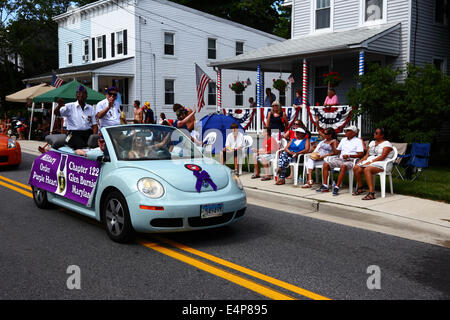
<point x="379" y="150"/>
<point x="297" y="146"/>
<point x="349" y="149"/>
<point x="264" y="155"/>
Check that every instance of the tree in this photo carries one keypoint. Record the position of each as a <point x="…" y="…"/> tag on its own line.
<point x="265" y="15"/>
<point x="412" y="110"/>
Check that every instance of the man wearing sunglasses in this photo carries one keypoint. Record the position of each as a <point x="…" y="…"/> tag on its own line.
<point x="108" y="110"/>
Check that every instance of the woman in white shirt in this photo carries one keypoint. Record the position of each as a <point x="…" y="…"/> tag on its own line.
<point x="379" y="150"/>
<point x="233" y="143"/>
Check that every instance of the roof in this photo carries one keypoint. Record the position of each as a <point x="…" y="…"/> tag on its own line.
<point x="172" y="4"/>
<point x="307" y="46"/>
<point x="84" y="68"/>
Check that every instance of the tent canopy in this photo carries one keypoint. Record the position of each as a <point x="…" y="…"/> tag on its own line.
<point x="27" y="94"/>
<point x="67" y="92"/>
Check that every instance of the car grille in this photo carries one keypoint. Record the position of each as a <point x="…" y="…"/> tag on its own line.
<point x="167" y="222"/>
<point x="3" y="158"/>
<point x="199" y="222"/>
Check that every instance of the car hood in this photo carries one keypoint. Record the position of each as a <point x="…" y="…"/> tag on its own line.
<point x="3" y="141"/>
<point x="178" y="176"/>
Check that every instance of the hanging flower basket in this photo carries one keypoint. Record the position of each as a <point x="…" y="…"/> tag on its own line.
<point x="280" y="84"/>
<point x="332" y="79"/>
<point x="238" y="86"/>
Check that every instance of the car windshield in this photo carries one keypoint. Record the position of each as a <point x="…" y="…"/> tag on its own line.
<point x="151" y="142"/>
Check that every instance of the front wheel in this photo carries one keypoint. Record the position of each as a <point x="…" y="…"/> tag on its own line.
<point x="40" y="198"/>
<point x="116" y="218"/>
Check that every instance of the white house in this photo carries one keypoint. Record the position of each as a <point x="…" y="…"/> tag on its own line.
<point x="343" y="35"/>
<point x="148" y="48"/>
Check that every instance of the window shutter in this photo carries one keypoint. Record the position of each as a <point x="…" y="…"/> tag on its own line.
<point x="93" y="49"/>
<point x="104" y="46"/>
<point x="112" y="44"/>
<point x="125" y="42"/>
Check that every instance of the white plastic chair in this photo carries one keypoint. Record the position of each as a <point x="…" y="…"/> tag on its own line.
<point x="386" y="173"/>
<point x="296" y="166"/>
<point x="248" y="142"/>
<point x="350" y="174"/>
<point x="209" y="141"/>
<point x="274" y="162"/>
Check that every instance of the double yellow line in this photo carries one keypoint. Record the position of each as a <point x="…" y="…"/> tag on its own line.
<point x="12" y="185"/>
<point x="202" y="265"/>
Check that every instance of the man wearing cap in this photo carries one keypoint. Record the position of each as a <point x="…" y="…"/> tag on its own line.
<point x="108" y="110"/>
<point x="349" y="149"/>
<point x="148" y="113"/>
<point x="80" y="117"/>
<point x="297" y="146"/>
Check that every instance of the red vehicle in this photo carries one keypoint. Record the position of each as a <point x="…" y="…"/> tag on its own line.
<point x="10" y="153"/>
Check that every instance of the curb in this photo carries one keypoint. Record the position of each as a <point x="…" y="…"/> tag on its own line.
<point x="377" y="221"/>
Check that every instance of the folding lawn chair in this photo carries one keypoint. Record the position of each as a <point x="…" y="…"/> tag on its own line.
<point x="401" y="148"/>
<point x="418" y="160"/>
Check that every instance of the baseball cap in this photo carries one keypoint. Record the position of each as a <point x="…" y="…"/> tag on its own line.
<point x="108" y="90"/>
<point x="300" y="130"/>
<point x="351" y="128"/>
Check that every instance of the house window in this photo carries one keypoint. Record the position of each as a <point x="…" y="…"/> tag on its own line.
<point x="442" y="11"/>
<point x="119" y="37"/>
<point x="239" y="48"/>
<point x="86" y="47"/>
<point x="239" y="100"/>
<point x="373" y="10"/>
<point x="169" y="91"/>
<point x="320" y="88"/>
<point x="169" y="44"/>
<point x="212" y="54"/>
<point x="323" y="14"/>
<point x="439" y="64"/>
<point x="69" y="53"/>
<point x="100" y="47"/>
<point x="212" y="94"/>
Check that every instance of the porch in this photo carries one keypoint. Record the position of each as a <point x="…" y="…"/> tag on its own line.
<point x="309" y="57"/>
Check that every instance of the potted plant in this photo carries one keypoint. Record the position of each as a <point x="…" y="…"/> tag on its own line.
<point x="238" y="86"/>
<point x="280" y="84"/>
<point x="332" y="79"/>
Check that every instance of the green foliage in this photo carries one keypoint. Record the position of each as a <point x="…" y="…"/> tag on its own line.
<point x="410" y="105"/>
<point x="264" y="15"/>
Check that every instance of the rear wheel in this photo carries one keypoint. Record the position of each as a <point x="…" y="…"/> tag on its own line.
<point x="40" y="198"/>
<point x="116" y="218"/>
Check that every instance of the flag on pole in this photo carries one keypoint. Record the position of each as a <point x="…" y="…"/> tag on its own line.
<point x="291" y="78"/>
<point x="202" y="81"/>
<point x="56" y="81"/>
<point x="248" y="82"/>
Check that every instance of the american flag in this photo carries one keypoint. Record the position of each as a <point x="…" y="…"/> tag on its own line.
<point x="202" y="81"/>
<point x="56" y="81"/>
<point x="291" y="78"/>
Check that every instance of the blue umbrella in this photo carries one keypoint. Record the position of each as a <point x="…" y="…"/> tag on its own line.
<point x="221" y="122"/>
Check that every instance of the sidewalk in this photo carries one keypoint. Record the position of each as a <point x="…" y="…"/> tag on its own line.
<point x="399" y="215"/>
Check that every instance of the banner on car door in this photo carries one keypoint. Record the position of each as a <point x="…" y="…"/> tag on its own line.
<point x="69" y="176"/>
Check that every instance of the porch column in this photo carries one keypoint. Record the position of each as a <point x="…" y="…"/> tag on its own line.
<point x="95" y="82"/>
<point x="259" y="98"/>
<point x="219" y="90"/>
<point x="31" y="122"/>
<point x="361" y="72"/>
<point x="305" y="92"/>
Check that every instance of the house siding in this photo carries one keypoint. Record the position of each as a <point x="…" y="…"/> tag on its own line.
<point x="398" y="11"/>
<point x="432" y="40"/>
<point x="389" y="43"/>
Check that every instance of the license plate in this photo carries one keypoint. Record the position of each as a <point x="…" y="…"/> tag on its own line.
<point x="211" y="210"/>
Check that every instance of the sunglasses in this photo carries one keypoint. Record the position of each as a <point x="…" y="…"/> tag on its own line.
<point x="113" y="94"/>
<point x="101" y="140"/>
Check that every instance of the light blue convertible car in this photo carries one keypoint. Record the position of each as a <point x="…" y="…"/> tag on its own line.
<point x="155" y="179"/>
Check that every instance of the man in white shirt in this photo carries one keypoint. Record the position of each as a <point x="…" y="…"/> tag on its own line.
<point x="80" y="119"/>
<point x="233" y="143"/>
<point x="349" y="149"/>
<point x="108" y="110"/>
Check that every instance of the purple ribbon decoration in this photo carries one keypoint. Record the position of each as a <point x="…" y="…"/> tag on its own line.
<point x="203" y="177"/>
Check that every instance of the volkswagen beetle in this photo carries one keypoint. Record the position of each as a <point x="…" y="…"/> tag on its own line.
<point x="153" y="178"/>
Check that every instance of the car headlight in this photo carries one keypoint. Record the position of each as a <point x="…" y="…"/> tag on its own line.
<point x="150" y="188"/>
<point x="237" y="180"/>
<point x="11" y="143"/>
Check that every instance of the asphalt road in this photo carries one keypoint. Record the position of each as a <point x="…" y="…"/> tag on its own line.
<point x="312" y="258"/>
